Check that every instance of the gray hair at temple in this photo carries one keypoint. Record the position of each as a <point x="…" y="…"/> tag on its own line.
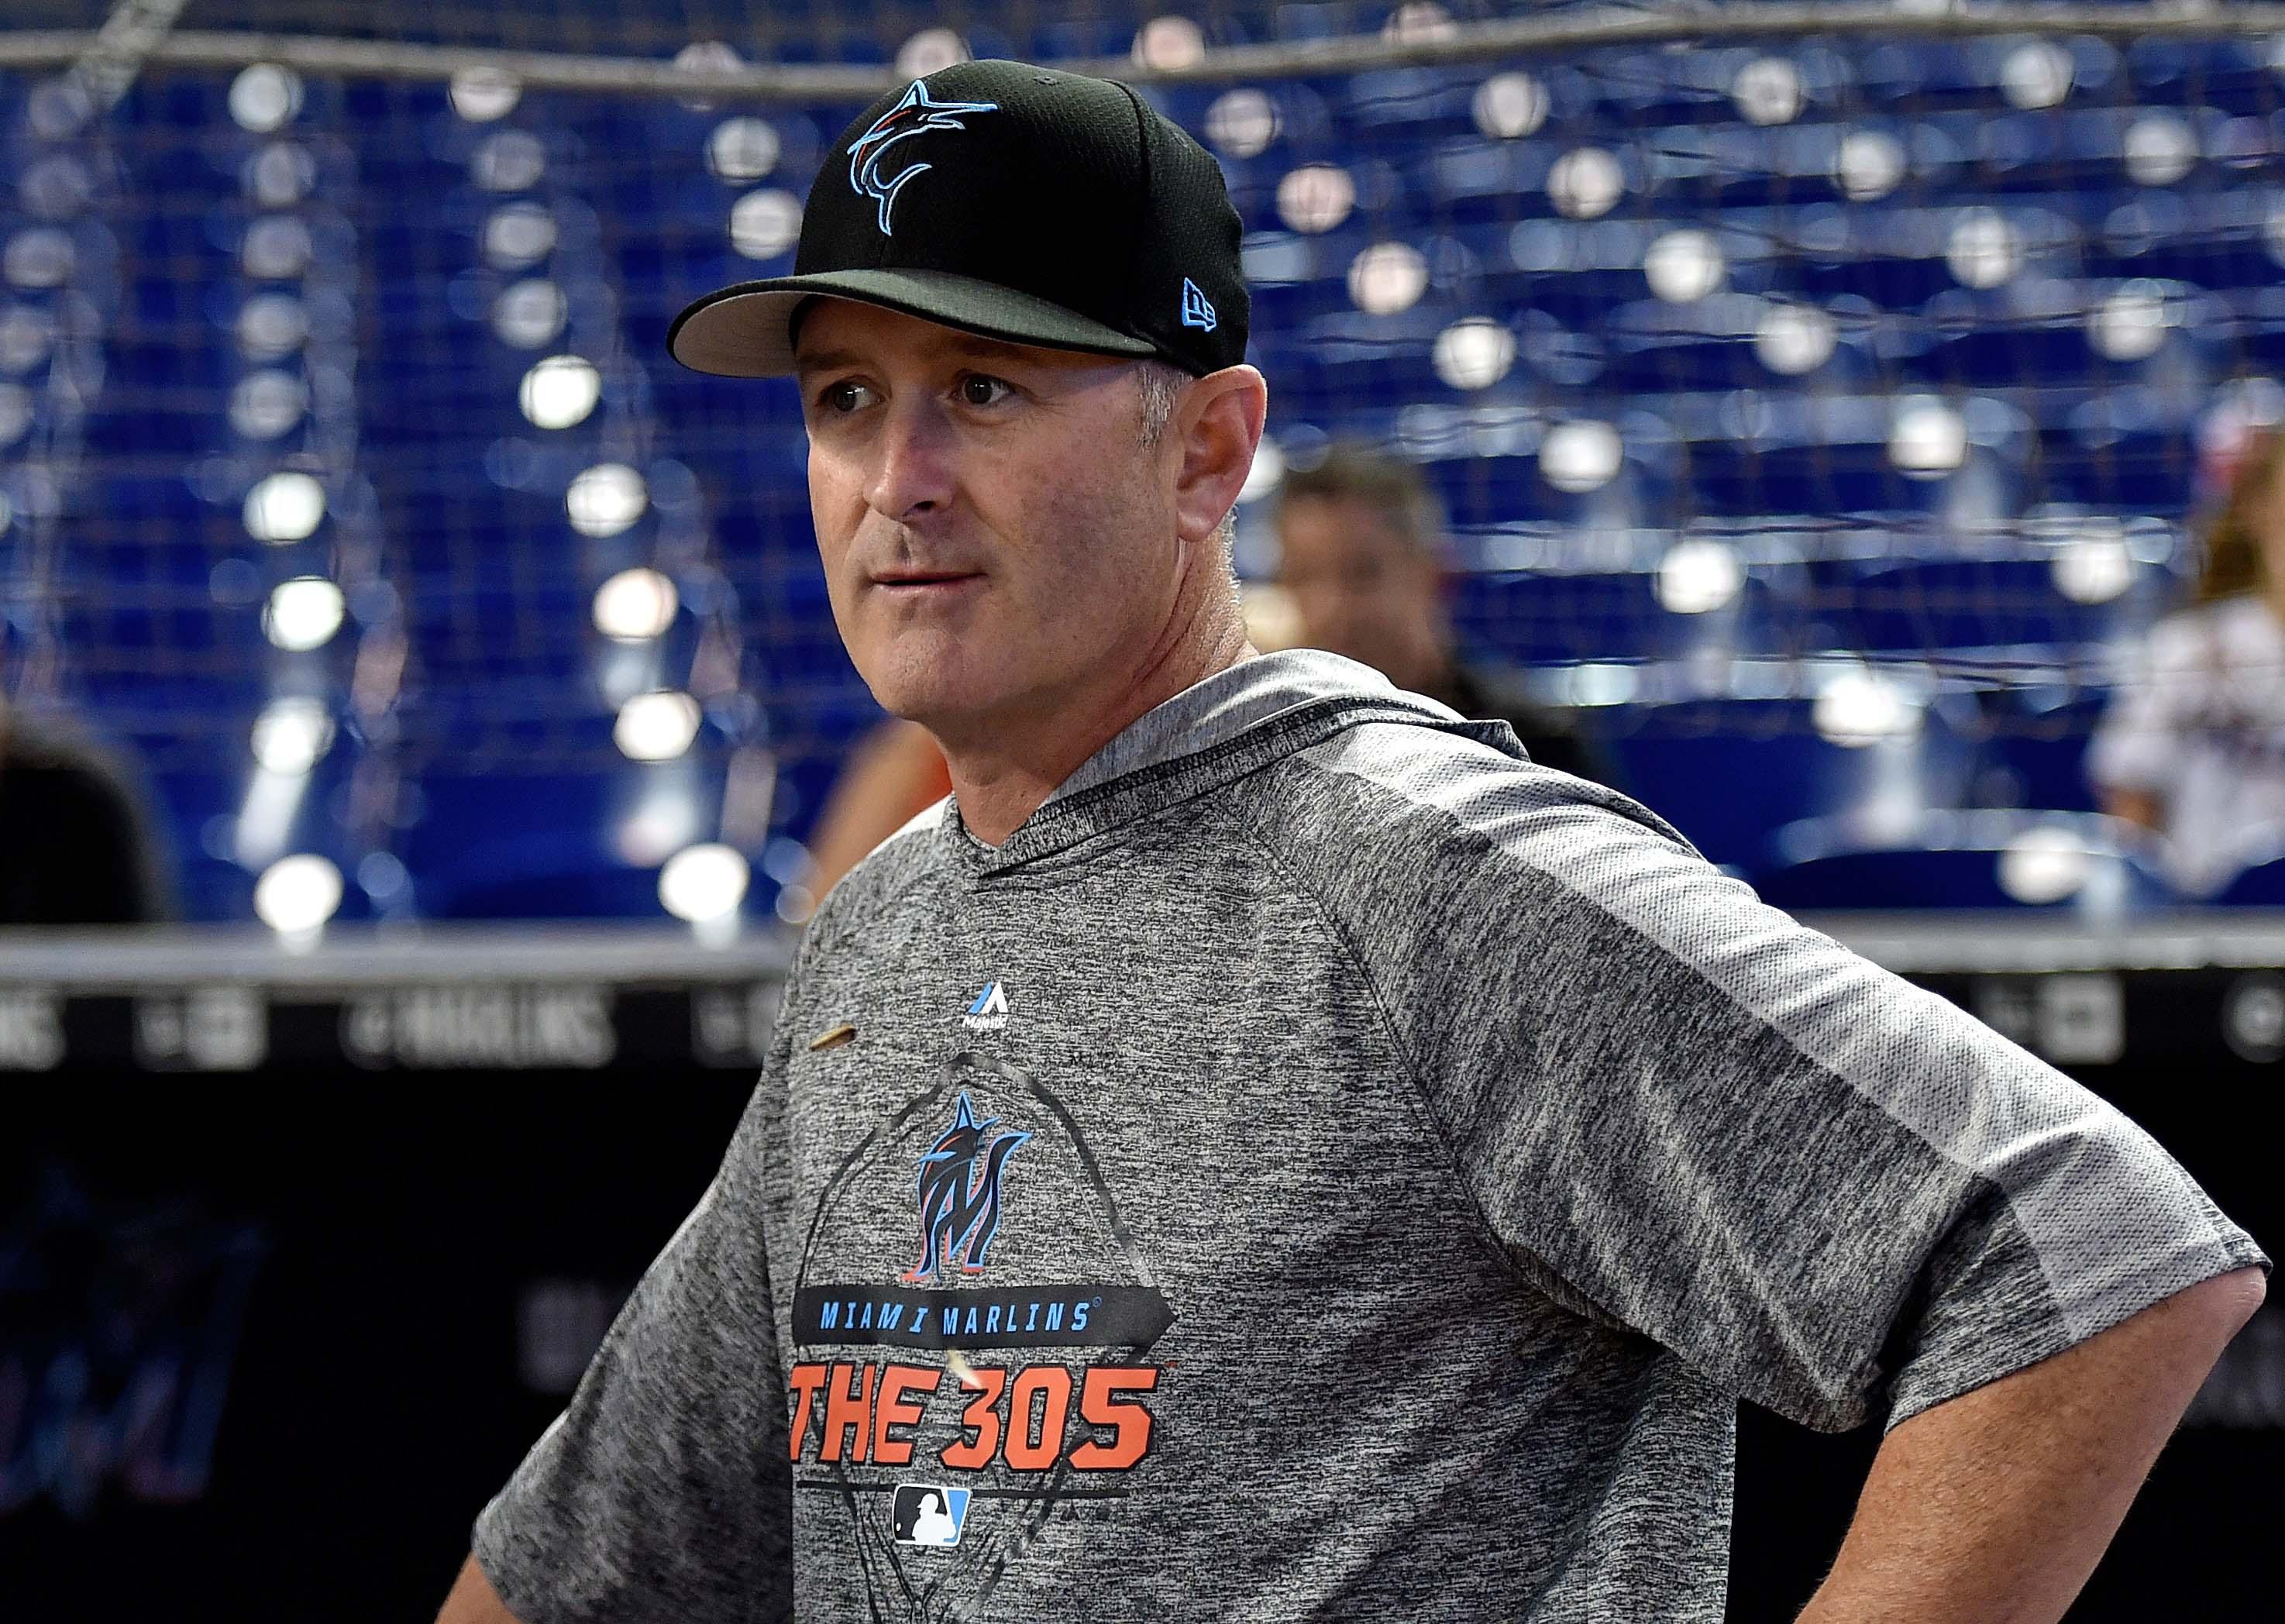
<point x="1160" y="384"/>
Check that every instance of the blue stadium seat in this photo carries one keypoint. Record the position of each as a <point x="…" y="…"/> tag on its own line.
<point x="2033" y="752"/>
<point x="1925" y="604"/>
<point x="2259" y="886"/>
<point x="2260" y="881"/>
<point x="501" y="717"/>
<point x="1726" y="773"/>
<point x="1977" y="860"/>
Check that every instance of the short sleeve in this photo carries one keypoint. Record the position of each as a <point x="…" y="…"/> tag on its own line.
<point x="663" y="1493"/>
<point x="1835" y="1193"/>
<point x="1828" y="1190"/>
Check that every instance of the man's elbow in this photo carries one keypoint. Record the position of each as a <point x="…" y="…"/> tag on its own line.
<point x="2215" y="1310"/>
<point x="474" y="1601"/>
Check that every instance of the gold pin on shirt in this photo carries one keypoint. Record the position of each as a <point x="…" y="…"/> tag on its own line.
<point x="833" y="1037"/>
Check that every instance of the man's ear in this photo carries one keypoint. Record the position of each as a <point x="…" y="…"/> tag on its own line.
<point x="1215" y="430"/>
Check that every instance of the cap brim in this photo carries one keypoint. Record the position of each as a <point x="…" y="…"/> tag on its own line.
<point x="742" y="331"/>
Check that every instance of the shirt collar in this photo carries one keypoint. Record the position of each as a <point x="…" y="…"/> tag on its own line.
<point x="1232" y="723"/>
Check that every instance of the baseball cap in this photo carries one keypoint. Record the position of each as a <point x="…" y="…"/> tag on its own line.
<point x="1021" y="203"/>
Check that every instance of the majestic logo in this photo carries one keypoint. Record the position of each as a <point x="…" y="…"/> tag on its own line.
<point x="1197" y="311"/>
<point x="915" y="115"/>
<point x="959" y="1191"/>
<point x="989" y="1012"/>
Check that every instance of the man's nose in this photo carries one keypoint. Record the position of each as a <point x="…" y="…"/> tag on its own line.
<point x="913" y="471"/>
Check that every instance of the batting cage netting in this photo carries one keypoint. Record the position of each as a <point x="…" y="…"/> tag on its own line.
<point x="1823" y="397"/>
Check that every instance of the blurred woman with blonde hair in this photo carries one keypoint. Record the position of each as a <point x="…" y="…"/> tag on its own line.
<point x="2193" y="746"/>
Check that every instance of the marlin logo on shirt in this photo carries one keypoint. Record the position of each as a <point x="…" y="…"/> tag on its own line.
<point x="915" y="115"/>
<point x="959" y="1192"/>
<point x="912" y="1380"/>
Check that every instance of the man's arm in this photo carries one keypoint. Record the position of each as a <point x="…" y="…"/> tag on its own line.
<point x="474" y="1601"/>
<point x="891" y="775"/>
<point x="1993" y="1507"/>
<point x="663" y="1491"/>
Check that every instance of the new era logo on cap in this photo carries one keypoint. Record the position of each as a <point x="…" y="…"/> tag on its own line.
<point x="1197" y="310"/>
<point x="1021" y="203"/>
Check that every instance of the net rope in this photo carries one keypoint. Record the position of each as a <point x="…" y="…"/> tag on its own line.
<point x="1839" y="382"/>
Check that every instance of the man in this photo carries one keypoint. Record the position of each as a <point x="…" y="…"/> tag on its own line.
<point x="1361" y="540"/>
<point x="1263" y="1149"/>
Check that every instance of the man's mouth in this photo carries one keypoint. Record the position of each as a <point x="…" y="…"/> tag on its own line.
<point x="917" y="581"/>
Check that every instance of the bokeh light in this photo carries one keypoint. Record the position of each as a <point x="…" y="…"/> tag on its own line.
<point x="604" y="499"/>
<point x="703" y="883"/>
<point x="284" y="507"/>
<point x="656" y="727"/>
<point x="304" y="614"/>
<point x="297" y="895"/>
<point x="560" y="391"/>
<point x="1581" y="456"/>
<point x="636" y="604"/>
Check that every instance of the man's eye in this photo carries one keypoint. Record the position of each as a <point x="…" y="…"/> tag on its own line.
<point x="845" y="397"/>
<point x="979" y="390"/>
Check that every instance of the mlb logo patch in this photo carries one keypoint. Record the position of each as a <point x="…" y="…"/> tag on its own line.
<point x="929" y="1514"/>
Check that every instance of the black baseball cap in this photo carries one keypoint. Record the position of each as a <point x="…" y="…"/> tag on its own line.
<point x="1017" y="202"/>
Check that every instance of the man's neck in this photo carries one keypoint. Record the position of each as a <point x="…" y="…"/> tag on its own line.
<point x="1003" y="771"/>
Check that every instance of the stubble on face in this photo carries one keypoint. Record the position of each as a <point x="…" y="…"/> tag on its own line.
<point x="1059" y="614"/>
<point x="1049" y="497"/>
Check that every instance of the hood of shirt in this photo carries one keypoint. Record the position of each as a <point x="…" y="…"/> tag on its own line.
<point x="1233" y="723"/>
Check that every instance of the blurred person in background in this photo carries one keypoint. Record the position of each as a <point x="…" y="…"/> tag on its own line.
<point x="75" y="845"/>
<point x="1361" y="550"/>
<point x="2193" y="747"/>
<point x="894" y="774"/>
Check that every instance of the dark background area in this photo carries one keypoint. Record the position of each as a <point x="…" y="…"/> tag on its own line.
<point x="376" y="1400"/>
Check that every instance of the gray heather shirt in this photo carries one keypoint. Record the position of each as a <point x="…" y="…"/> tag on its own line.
<point x="1321" y="1166"/>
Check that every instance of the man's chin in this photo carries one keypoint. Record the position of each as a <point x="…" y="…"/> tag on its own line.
<point x="940" y="682"/>
<point x="953" y="711"/>
<point x="937" y="699"/>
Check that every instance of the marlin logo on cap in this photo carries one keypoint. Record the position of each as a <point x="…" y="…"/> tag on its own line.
<point x="915" y="115"/>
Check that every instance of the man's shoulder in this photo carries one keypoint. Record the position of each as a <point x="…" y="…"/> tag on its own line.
<point x="1424" y="809"/>
<point x="1454" y="872"/>
<point x="1550" y="732"/>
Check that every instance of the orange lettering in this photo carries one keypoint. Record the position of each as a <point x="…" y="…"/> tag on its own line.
<point x="1051" y="1384"/>
<point x="804" y="1380"/>
<point x="848" y="1411"/>
<point x="891" y="1407"/>
<point x="1129" y="1423"/>
<point x="981" y="1417"/>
